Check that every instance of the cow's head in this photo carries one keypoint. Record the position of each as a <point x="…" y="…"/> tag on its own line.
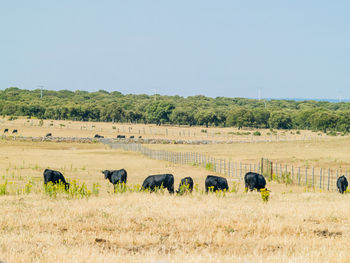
<point x="106" y="173"/>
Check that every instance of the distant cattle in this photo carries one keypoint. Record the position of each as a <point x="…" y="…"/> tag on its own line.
<point x="98" y="136"/>
<point x="6" y="130"/>
<point x="140" y="137"/>
<point x="116" y="176"/>
<point x="254" y="181"/>
<point x="120" y="136"/>
<point x="342" y="184"/>
<point x="48" y="135"/>
<point x="55" y="177"/>
<point x="215" y="183"/>
<point x="186" y="184"/>
<point x="159" y="180"/>
<point x="15" y="131"/>
<point x="132" y="137"/>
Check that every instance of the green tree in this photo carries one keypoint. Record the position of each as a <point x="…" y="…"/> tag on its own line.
<point x="280" y="120"/>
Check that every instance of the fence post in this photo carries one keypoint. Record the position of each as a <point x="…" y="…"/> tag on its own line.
<point x="240" y="170"/>
<point x="262" y="165"/>
<point x="329" y="175"/>
<point x="280" y="171"/>
<point x="292" y="174"/>
<point x="299" y="175"/>
<point x="306" y="176"/>
<point x="321" y="178"/>
<point x="313" y="177"/>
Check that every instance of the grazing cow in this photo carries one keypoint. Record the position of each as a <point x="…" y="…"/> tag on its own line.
<point x="15" y="131"/>
<point x="254" y="180"/>
<point x="120" y="136"/>
<point x="132" y="137"/>
<point x="185" y="184"/>
<point x="48" y="134"/>
<point x="6" y="130"/>
<point x="98" y="136"/>
<point x="216" y="183"/>
<point x="159" y="180"/>
<point x="54" y="177"/>
<point x="116" y="176"/>
<point x="342" y="184"/>
<point x="140" y="137"/>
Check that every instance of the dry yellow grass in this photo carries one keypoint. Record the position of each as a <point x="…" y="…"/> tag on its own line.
<point x="32" y="127"/>
<point x="330" y="153"/>
<point x="294" y="226"/>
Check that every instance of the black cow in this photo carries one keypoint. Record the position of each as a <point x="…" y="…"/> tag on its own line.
<point x="15" y="131"/>
<point x="54" y="177"/>
<point x="48" y="135"/>
<point x="98" y="136"/>
<point x="140" y="137"/>
<point x="342" y="184"/>
<point x="116" y="176"/>
<point x="120" y="136"/>
<point x="216" y="183"/>
<point x="132" y="137"/>
<point x="254" y="181"/>
<point x="159" y="180"/>
<point x="186" y="183"/>
<point x="6" y="130"/>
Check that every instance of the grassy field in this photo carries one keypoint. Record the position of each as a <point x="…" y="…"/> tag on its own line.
<point x="295" y="225"/>
<point x="33" y="127"/>
<point x="332" y="153"/>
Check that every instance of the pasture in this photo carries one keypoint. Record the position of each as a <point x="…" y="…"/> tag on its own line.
<point x="295" y="225"/>
<point x="66" y="128"/>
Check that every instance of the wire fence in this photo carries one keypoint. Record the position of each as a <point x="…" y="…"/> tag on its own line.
<point x="311" y="177"/>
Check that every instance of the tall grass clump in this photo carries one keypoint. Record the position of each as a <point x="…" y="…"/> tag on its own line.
<point x="265" y="195"/>
<point x="210" y="167"/>
<point x="3" y="188"/>
<point x="184" y="189"/>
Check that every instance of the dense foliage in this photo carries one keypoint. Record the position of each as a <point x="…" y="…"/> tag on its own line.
<point x="194" y="110"/>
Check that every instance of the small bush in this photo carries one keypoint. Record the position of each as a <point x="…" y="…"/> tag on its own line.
<point x="257" y="133"/>
<point x="12" y="118"/>
<point x="265" y="195"/>
<point x="3" y="188"/>
<point x="41" y="122"/>
<point x="204" y="131"/>
<point x="297" y="132"/>
<point x="113" y="127"/>
<point x="184" y="189"/>
<point x="28" y="187"/>
<point x="210" y="167"/>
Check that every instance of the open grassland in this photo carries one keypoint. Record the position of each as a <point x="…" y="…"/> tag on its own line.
<point x="141" y="227"/>
<point x="331" y="153"/>
<point x="296" y="225"/>
<point x="65" y="128"/>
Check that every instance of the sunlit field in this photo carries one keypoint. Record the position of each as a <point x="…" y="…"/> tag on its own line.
<point x="297" y="224"/>
<point x="34" y="127"/>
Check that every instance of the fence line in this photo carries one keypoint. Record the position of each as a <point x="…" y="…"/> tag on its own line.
<point x="316" y="178"/>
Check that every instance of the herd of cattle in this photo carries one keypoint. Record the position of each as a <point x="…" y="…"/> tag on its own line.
<point x="97" y="136"/>
<point x="152" y="182"/>
<point x="212" y="183"/>
<point x="216" y="183"/>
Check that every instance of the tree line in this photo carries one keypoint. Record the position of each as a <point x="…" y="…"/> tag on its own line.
<point x="194" y="110"/>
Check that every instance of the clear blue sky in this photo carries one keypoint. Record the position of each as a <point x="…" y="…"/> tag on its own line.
<point x="295" y="49"/>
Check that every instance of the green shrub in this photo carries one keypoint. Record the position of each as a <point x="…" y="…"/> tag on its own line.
<point x="3" y="188"/>
<point x="210" y="167"/>
<point x="184" y="189"/>
<point x="265" y="195"/>
<point x="257" y="133"/>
